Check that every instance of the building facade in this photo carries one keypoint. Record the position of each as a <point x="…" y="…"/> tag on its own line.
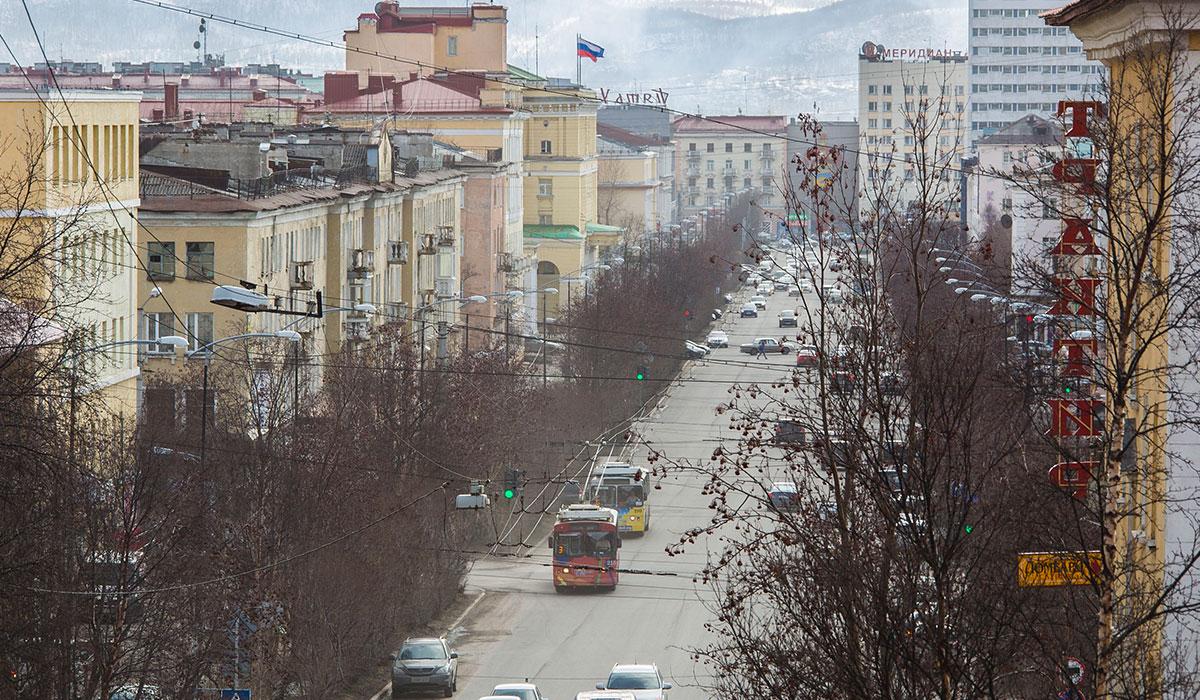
<point x="723" y="155"/>
<point x="1017" y="225"/>
<point x="71" y="168"/>
<point x="1020" y="65"/>
<point x="912" y="123"/>
<point x="473" y="38"/>
<point x="839" y="182"/>
<point x="629" y="189"/>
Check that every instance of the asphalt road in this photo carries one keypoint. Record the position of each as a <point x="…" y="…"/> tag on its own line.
<point x="521" y="629"/>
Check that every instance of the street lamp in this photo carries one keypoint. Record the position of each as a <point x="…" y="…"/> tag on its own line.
<point x="284" y="334"/>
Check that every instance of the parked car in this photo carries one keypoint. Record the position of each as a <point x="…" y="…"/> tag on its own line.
<point x="787" y="319"/>
<point x="524" y="691"/>
<point x="808" y="356"/>
<point x="759" y="301"/>
<point x="790" y="431"/>
<point x="424" y="663"/>
<point x="749" y="310"/>
<point x="643" y="679"/>
<point x="793" y="291"/>
<point x="718" y="339"/>
<point x="784" y="495"/>
<point x="782" y="285"/>
<point x="695" y="351"/>
<point x="806" y="286"/>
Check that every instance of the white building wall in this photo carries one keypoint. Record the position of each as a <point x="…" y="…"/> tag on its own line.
<point x="1019" y="65"/>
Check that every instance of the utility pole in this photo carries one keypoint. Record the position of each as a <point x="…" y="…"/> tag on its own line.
<point x="443" y="333"/>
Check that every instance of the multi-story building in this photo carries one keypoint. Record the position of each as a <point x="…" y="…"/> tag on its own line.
<point x="1020" y="65"/>
<point x="473" y="38"/>
<point x="341" y="223"/>
<point x="654" y="125"/>
<point x="720" y="155"/>
<point x="630" y="191"/>
<point x="71" y="172"/>
<point x="839" y="181"/>
<point x="1012" y="222"/>
<point x="910" y="113"/>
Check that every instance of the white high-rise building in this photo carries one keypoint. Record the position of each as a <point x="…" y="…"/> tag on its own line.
<point x="1020" y="66"/>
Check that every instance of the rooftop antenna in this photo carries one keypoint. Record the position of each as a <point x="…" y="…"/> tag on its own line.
<point x="536" y="67"/>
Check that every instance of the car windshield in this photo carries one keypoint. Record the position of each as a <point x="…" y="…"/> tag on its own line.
<point x="513" y="693"/>
<point x="633" y="680"/>
<point x="422" y="650"/>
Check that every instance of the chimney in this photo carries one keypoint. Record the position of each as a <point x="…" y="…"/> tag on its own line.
<point x="259" y="95"/>
<point x="254" y="81"/>
<point x="171" y="101"/>
<point x="185" y="80"/>
<point x="341" y="85"/>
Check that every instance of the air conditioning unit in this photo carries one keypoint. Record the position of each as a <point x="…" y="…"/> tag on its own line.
<point x="428" y="244"/>
<point x="445" y="236"/>
<point x="445" y="287"/>
<point x="301" y="275"/>
<point x="398" y="252"/>
<point x="504" y="262"/>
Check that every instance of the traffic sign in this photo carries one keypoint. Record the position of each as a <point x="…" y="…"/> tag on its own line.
<point x="1075" y="670"/>
<point x="1037" y="569"/>
<point x="235" y="694"/>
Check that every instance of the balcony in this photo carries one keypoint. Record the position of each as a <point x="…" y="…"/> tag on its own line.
<point x="445" y="287"/>
<point x="301" y="275"/>
<point x="504" y="262"/>
<point x="693" y="156"/>
<point x="397" y="252"/>
<point x="362" y="260"/>
<point x="445" y="236"/>
<point x="693" y="170"/>
<point x="428" y="245"/>
<point x="357" y="327"/>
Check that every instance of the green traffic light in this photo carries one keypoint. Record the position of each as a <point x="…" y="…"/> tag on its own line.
<point x="968" y="528"/>
<point x="509" y="493"/>
<point x="641" y="376"/>
<point x="1066" y="389"/>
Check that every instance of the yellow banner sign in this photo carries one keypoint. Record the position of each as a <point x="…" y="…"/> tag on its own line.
<point x="1057" y="568"/>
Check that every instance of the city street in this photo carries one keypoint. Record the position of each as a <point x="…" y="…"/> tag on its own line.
<point x="567" y="642"/>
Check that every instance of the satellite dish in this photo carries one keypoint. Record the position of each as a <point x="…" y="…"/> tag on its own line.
<point x="1006" y="221"/>
<point x="195" y="44"/>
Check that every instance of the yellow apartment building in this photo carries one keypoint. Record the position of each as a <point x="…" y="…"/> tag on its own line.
<point x="629" y="189"/>
<point x="1157" y="509"/>
<point x="71" y="171"/>
<point x="471" y="38"/>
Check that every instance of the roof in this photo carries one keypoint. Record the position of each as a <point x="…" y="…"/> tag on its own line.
<point x="737" y="122"/>
<point x="165" y="194"/>
<point x="1029" y="129"/>
<point x="1076" y="11"/>
<point x="627" y="138"/>
<point x="515" y="686"/>
<point x="602" y="228"/>
<point x="522" y="74"/>
<point x="554" y="231"/>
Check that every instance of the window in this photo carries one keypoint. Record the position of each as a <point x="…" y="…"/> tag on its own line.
<point x="871" y="90"/>
<point x="729" y="148"/>
<point x="908" y="89"/>
<point x="160" y="260"/>
<point x="1006" y="204"/>
<point x="887" y="89"/>
<point x="747" y="183"/>
<point x="872" y="106"/>
<point x="729" y="165"/>
<point x="887" y="106"/>
<point x="199" y="261"/>
<point x="766" y="182"/>
<point x="545" y="187"/>
<point x="710" y="147"/>
<point x="746" y="148"/>
<point x="452" y="46"/>
<point x="691" y="182"/>
<point x="1050" y="209"/>
<point x="692" y="146"/>
<point x="711" y="165"/>
<point x="546" y="149"/>
<point x="545" y="220"/>
<point x="200" y="330"/>
<point x="766" y="148"/>
<point x="159" y="325"/>
<point x="710" y="183"/>
<point x="872" y="123"/>
<point x="745" y="165"/>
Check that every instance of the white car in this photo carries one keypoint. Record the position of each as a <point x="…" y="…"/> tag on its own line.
<point x="643" y="679"/>
<point x="759" y="301"/>
<point x="717" y="339"/>
<point x="806" y="285"/>
<point x="765" y="288"/>
<point x="524" y="691"/>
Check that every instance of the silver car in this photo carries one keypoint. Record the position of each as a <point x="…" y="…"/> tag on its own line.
<point x="424" y="663"/>
<point x="643" y="680"/>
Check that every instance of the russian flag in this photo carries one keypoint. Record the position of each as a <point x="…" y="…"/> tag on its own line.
<point x="589" y="50"/>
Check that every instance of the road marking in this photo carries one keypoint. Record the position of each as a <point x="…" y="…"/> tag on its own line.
<point x="457" y="621"/>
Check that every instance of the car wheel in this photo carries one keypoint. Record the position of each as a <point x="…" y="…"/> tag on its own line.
<point x="447" y="692"/>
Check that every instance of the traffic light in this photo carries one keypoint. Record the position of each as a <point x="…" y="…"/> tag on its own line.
<point x="512" y="478"/>
<point x="968" y="528"/>
<point x="687" y="313"/>
<point x="641" y="374"/>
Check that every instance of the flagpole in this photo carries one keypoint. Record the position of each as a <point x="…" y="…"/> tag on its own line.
<point x="578" y="62"/>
